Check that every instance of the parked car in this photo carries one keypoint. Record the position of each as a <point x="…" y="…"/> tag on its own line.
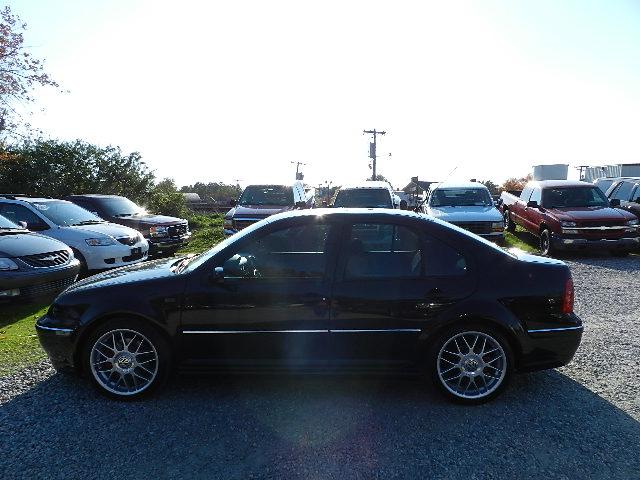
<point x="604" y="183"/>
<point x="468" y="205"/>
<point x="260" y="201"/>
<point x="625" y="192"/>
<point x="96" y="243"/>
<point x="354" y="290"/>
<point x="367" y="195"/>
<point x="164" y="234"/>
<point x="33" y="266"/>
<point x="567" y="214"/>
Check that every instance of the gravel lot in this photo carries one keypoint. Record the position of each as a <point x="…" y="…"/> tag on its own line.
<point x="581" y="421"/>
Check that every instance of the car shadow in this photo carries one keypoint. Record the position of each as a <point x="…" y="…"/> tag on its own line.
<point x="546" y="425"/>
<point x="13" y="312"/>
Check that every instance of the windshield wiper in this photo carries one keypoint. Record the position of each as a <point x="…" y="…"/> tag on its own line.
<point x="88" y="222"/>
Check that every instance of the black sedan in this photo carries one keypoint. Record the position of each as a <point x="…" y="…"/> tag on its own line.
<point x="353" y="291"/>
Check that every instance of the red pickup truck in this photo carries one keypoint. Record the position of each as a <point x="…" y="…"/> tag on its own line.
<point x="567" y="214"/>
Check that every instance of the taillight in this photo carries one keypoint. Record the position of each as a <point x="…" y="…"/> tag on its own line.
<point x="568" y="297"/>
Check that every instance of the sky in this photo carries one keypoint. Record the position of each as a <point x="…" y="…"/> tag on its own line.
<point x="236" y="91"/>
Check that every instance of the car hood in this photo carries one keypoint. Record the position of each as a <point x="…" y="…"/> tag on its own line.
<point x="140" y="272"/>
<point x="466" y="214"/>
<point x="21" y="244"/>
<point x="260" y="211"/>
<point x="591" y="214"/>
<point x="111" y="229"/>
<point x="149" y="220"/>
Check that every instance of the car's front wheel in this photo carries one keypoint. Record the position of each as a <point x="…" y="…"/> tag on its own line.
<point x="471" y="365"/>
<point x="127" y="359"/>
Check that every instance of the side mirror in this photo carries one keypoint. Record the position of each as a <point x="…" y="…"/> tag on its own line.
<point x="233" y="202"/>
<point x="23" y="224"/>
<point x="217" y="275"/>
<point x="301" y="204"/>
<point x="614" y="202"/>
<point x="637" y="200"/>
<point x="532" y="204"/>
<point x="404" y="205"/>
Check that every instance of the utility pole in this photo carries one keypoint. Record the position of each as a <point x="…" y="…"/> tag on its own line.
<point x="299" y="175"/>
<point x="372" y="148"/>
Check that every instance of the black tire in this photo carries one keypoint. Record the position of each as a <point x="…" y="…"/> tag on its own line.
<point x="84" y="271"/>
<point x="509" y="225"/>
<point x="546" y="248"/>
<point x="439" y="360"/>
<point x="141" y="369"/>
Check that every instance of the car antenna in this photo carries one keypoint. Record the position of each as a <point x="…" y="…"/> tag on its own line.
<point x="418" y="207"/>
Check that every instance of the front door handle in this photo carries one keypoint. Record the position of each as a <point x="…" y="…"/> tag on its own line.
<point x="431" y="305"/>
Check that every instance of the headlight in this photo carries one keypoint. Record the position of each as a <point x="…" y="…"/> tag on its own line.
<point x="632" y="222"/>
<point x="159" y="231"/>
<point x="7" y="264"/>
<point x="228" y="223"/>
<point x="497" y="226"/>
<point x="568" y="224"/>
<point x="100" y="242"/>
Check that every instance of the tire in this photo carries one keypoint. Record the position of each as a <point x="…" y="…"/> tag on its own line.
<point x="84" y="270"/>
<point x="466" y="375"/>
<point x="509" y="225"/>
<point x="126" y="359"/>
<point x="545" y="243"/>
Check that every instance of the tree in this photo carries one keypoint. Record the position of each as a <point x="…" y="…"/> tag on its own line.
<point x="165" y="199"/>
<point x="216" y="191"/>
<point x="493" y="188"/>
<point x="56" y="168"/>
<point x="20" y="71"/>
<point x="515" y="183"/>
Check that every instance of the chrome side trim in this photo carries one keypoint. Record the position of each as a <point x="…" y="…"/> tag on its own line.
<point x="222" y="332"/>
<point x="555" y="329"/>
<point x="59" y="331"/>
<point x="218" y="332"/>
<point x="386" y="330"/>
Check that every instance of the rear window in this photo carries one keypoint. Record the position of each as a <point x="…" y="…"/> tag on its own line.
<point x="364" y="198"/>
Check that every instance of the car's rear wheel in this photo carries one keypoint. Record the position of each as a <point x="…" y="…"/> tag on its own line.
<point x="471" y="365"/>
<point x="509" y="225"/>
<point x="126" y="359"/>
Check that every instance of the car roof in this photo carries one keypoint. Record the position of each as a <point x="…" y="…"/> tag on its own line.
<point x="559" y="183"/>
<point x="368" y="184"/>
<point x="94" y="195"/>
<point x="23" y="198"/>
<point x="453" y="184"/>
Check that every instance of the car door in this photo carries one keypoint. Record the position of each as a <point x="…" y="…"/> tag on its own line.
<point x="269" y="303"/>
<point x="392" y="281"/>
<point x="534" y="216"/>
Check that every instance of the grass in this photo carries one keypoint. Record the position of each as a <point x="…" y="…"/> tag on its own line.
<point x="19" y="346"/>
<point x="522" y="240"/>
<point x="206" y="232"/>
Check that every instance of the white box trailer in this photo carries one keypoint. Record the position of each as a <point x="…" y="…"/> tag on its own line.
<point x="558" y="171"/>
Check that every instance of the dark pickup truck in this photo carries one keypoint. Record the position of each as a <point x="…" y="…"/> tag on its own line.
<point x="567" y="214"/>
<point x="164" y="234"/>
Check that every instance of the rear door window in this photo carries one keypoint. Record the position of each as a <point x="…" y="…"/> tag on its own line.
<point x="623" y="191"/>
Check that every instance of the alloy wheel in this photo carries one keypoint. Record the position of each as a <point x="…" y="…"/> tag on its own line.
<point x="471" y="365"/>
<point x="124" y="362"/>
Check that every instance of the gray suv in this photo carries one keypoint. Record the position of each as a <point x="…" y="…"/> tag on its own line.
<point x="31" y="265"/>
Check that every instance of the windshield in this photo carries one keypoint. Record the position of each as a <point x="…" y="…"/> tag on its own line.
<point x="569" y="197"/>
<point x="120" y="207"/>
<point x="461" y="197"/>
<point x="276" y="195"/>
<point x="364" y="197"/>
<point x="64" y="213"/>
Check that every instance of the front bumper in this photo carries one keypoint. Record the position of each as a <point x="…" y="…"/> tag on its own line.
<point x="112" y="256"/>
<point x="160" y="245"/>
<point x="38" y="282"/>
<point x="626" y="244"/>
<point x="493" y="236"/>
<point x="59" y="343"/>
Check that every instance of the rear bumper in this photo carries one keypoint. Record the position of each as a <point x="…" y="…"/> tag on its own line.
<point x="38" y="282"/>
<point x="626" y="244"/>
<point x="552" y="347"/>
